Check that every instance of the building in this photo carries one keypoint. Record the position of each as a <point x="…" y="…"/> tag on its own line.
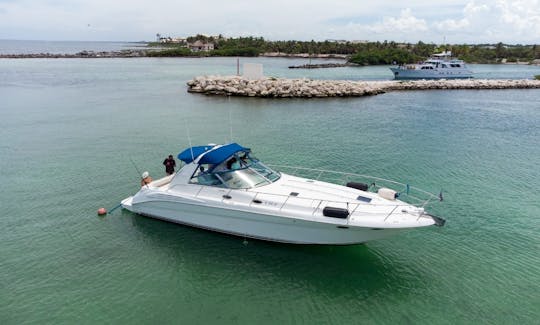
<point x="168" y="39"/>
<point x="200" y="46"/>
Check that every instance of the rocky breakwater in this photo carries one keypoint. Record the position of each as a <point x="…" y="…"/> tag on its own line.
<point x="462" y="84"/>
<point x="82" y="54"/>
<point x="278" y="87"/>
<point x="307" y="88"/>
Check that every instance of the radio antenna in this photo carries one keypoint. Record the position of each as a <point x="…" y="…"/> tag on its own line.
<point x="230" y="118"/>
<point x="138" y="171"/>
<point x="189" y="140"/>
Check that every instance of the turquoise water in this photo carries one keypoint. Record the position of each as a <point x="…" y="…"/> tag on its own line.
<point x="69" y="128"/>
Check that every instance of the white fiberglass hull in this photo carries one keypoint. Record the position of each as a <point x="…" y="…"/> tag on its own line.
<point x="288" y="209"/>
<point x="258" y="225"/>
<point x="453" y="73"/>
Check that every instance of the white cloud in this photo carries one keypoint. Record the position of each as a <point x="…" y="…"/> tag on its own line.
<point x="461" y="21"/>
<point x="405" y="23"/>
<point x="452" y="24"/>
<point x="472" y="7"/>
<point x="523" y="16"/>
<point x="493" y="21"/>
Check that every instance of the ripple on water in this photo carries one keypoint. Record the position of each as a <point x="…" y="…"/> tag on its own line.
<point x="68" y="143"/>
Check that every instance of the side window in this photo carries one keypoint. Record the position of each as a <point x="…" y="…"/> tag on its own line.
<point x="207" y="179"/>
<point x="203" y="177"/>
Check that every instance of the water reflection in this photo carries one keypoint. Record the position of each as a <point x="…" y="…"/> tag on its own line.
<point x="337" y="271"/>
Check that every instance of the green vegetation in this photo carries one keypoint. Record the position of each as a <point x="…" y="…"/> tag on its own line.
<point x="383" y="56"/>
<point x="359" y="52"/>
<point x="489" y="53"/>
<point x="173" y="51"/>
<point x="241" y="51"/>
<point x="537" y="77"/>
<point x="242" y="46"/>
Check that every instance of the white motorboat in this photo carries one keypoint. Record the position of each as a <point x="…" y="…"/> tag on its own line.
<point x="438" y="66"/>
<point x="224" y="188"/>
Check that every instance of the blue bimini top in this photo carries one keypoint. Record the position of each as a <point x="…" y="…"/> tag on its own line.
<point x="210" y="155"/>
<point x="192" y="153"/>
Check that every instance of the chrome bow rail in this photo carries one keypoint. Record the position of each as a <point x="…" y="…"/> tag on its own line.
<point x="407" y="193"/>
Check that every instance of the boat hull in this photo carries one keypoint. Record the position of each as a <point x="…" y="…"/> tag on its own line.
<point x="258" y="225"/>
<point x="402" y="74"/>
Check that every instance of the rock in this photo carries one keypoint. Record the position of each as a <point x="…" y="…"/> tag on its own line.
<point x="307" y="88"/>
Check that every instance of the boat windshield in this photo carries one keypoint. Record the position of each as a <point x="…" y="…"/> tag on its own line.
<point x="240" y="171"/>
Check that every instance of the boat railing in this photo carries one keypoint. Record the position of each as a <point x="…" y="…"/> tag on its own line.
<point x="407" y="193"/>
<point x="317" y="205"/>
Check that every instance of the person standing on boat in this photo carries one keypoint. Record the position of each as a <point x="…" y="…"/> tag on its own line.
<point x="232" y="163"/>
<point x="169" y="165"/>
<point x="145" y="179"/>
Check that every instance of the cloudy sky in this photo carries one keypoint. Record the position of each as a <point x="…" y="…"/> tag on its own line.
<point x="456" y="21"/>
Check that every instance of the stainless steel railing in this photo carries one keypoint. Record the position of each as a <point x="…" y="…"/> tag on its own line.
<point x="409" y="194"/>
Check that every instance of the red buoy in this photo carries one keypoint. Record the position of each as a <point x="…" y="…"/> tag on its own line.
<point x="101" y="211"/>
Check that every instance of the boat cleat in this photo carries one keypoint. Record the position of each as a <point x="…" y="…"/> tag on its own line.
<point x="413" y="210"/>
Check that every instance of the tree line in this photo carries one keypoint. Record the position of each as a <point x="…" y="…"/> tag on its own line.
<point x="367" y="53"/>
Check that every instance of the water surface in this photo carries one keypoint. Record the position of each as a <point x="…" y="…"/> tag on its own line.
<point x="69" y="128"/>
<point x="62" y="47"/>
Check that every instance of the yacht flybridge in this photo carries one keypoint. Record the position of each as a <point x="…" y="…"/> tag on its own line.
<point x="224" y="188"/>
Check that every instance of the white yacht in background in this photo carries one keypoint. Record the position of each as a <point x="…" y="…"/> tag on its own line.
<point x="439" y="66"/>
<point x="224" y="188"/>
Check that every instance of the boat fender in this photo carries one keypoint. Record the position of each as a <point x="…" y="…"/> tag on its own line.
<point x="358" y="186"/>
<point x="335" y="212"/>
<point x="387" y="193"/>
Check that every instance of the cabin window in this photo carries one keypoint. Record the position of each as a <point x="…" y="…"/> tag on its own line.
<point x="202" y="176"/>
<point x="244" y="178"/>
<point x="240" y="171"/>
<point x="254" y="174"/>
<point x="207" y="179"/>
<point x="264" y="171"/>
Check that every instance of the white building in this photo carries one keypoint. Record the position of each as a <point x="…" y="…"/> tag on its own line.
<point x="199" y="46"/>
